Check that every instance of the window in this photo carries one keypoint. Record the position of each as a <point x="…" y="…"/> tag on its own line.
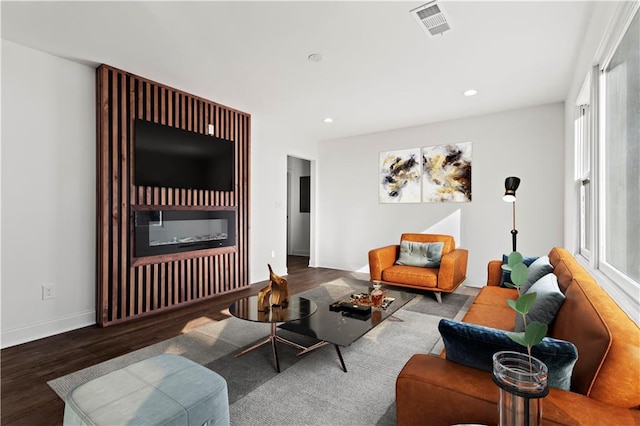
<point x="620" y="159"/>
<point x="607" y="163"/>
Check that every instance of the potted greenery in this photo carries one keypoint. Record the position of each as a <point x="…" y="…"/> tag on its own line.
<point x="522" y="378"/>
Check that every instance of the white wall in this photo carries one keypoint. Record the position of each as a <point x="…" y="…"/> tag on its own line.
<point x="271" y="143"/>
<point x="48" y="194"/>
<point x="528" y="143"/>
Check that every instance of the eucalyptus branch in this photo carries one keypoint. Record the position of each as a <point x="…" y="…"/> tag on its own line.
<point x="535" y="331"/>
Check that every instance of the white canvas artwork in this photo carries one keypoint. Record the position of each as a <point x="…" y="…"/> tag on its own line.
<point x="446" y="173"/>
<point x="399" y="175"/>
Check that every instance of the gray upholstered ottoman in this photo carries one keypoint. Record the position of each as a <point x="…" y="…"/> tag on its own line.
<point x="163" y="390"/>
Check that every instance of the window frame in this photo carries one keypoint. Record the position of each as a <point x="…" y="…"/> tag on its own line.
<point x="584" y="143"/>
<point x="589" y="166"/>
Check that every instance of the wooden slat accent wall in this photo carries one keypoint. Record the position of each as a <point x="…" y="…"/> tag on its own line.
<point x="126" y="291"/>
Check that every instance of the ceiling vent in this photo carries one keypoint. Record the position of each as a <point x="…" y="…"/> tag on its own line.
<point x="431" y="18"/>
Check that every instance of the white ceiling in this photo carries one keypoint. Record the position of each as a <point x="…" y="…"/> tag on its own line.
<point x="380" y="71"/>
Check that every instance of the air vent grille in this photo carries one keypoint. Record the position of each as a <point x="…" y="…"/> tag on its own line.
<point x="431" y="18"/>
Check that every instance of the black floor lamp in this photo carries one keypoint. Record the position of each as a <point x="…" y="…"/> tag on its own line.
<point x="510" y="186"/>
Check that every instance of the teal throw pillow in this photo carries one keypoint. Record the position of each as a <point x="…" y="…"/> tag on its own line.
<point x="549" y="298"/>
<point x="474" y="345"/>
<point x="506" y="275"/>
<point x="538" y="269"/>
<point x="420" y="254"/>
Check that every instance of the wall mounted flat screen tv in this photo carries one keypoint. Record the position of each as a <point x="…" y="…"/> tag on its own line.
<point x="175" y="158"/>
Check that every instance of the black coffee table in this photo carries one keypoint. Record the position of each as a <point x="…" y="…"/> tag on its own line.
<point x="338" y="329"/>
<point x="247" y="309"/>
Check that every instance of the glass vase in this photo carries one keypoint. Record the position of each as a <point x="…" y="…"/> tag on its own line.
<point x="523" y="383"/>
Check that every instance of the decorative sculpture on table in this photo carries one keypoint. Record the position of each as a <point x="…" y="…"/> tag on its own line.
<point x="274" y="294"/>
<point x="264" y="299"/>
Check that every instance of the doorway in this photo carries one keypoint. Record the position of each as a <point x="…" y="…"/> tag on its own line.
<point x="298" y="211"/>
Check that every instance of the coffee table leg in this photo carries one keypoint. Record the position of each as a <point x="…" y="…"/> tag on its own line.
<point x="273" y="338"/>
<point x="321" y="344"/>
<point x="344" y="367"/>
<point x="273" y="346"/>
<point x="257" y="345"/>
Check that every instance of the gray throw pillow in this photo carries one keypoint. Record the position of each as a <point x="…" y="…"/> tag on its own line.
<point x="549" y="298"/>
<point x="420" y="254"/>
<point x="538" y="269"/>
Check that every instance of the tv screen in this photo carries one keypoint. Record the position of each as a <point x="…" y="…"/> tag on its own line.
<point x="175" y="158"/>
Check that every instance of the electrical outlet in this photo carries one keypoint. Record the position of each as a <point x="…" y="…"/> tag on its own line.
<point x="273" y="254"/>
<point x="48" y="291"/>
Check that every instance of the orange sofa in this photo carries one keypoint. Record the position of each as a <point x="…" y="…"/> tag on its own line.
<point x="605" y="384"/>
<point x="445" y="279"/>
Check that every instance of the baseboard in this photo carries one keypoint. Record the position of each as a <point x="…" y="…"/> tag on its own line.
<point x="44" y="329"/>
<point x="299" y="253"/>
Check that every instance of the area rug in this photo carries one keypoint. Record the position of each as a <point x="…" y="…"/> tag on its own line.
<point x="311" y="389"/>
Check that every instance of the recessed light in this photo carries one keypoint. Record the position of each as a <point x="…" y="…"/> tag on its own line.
<point x="315" y="57"/>
<point x="328" y="120"/>
<point x="470" y="92"/>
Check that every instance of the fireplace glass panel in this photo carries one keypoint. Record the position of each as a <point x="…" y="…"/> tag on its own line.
<point x="170" y="231"/>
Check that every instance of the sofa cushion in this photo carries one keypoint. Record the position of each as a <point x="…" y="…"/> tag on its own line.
<point x="423" y="277"/>
<point x="420" y="254"/>
<point x="500" y="317"/>
<point x="538" y="269"/>
<point x="506" y="275"/>
<point x="495" y="296"/>
<point x="474" y="345"/>
<point x="549" y="298"/>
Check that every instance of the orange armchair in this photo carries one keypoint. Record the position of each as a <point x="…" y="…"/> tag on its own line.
<point x="445" y="279"/>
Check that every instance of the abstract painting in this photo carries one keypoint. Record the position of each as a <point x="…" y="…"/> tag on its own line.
<point x="446" y="173"/>
<point x="400" y="176"/>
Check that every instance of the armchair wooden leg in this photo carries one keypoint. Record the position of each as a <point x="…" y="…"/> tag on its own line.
<point x="438" y="296"/>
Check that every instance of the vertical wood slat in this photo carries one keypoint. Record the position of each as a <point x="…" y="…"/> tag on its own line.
<point x="114" y="194"/>
<point x="140" y="303"/>
<point x="102" y="186"/>
<point x="170" y="98"/>
<point x="147" y="287"/>
<point x="176" y="283"/>
<point x="125" y="292"/>
<point x="124" y="192"/>
<point x="170" y="300"/>
<point x="155" y="299"/>
<point x="132" y="190"/>
<point x="200" y="278"/>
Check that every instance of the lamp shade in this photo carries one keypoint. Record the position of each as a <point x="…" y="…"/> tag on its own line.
<point x="510" y="185"/>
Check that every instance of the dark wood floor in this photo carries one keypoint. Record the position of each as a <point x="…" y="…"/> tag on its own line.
<point x="25" y="369"/>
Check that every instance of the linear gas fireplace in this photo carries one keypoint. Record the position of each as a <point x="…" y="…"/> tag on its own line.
<point x="160" y="232"/>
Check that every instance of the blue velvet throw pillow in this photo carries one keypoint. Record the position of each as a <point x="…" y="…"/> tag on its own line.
<point x="506" y="275"/>
<point x="420" y="254"/>
<point x="474" y="345"/>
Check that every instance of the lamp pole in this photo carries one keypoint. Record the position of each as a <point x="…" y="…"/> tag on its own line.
<point x="514" y="231"/>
